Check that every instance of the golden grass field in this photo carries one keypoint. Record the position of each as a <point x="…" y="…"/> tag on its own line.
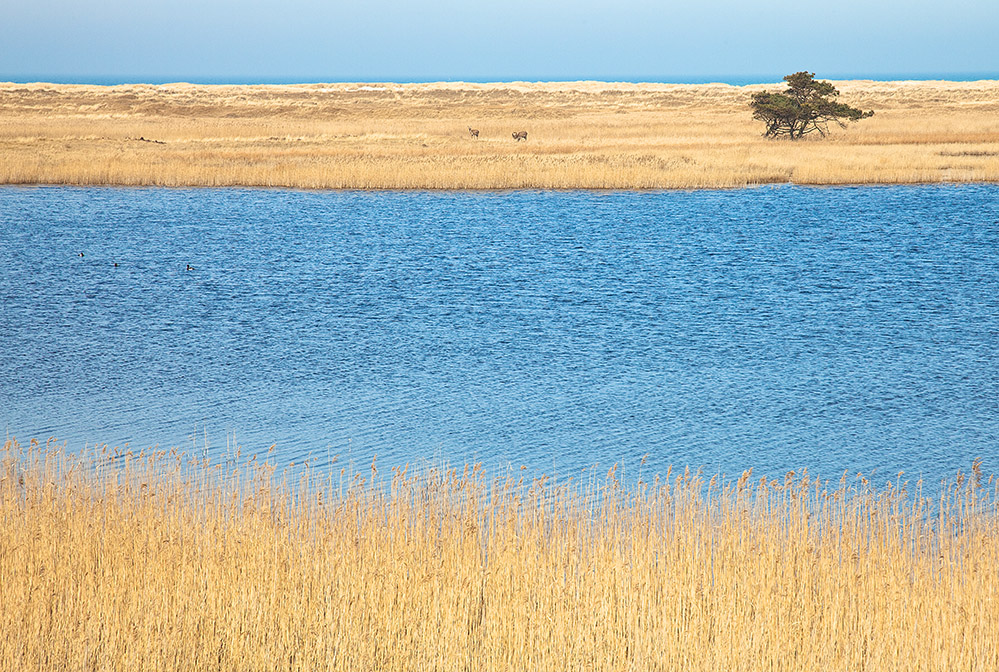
<point x="156" y="561"/>
<point x="414" y="136"/>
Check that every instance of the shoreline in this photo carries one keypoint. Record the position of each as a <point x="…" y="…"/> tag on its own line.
<point x="581" y="135"/>
<point x="502" y="190"/>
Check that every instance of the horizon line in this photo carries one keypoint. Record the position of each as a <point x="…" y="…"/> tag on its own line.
<point x="733" y="80"/>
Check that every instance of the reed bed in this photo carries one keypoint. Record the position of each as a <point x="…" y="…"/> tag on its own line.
<point x="155" y="560"/>
<point x="415" y="136"/>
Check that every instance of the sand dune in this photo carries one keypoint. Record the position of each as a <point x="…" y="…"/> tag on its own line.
<point x="414" y="136"/>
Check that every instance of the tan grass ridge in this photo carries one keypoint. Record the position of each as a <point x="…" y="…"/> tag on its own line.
<point x="415" y="136"/>
<point x="156" y="561"/>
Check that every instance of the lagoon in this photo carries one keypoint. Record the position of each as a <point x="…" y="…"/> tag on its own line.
<point x="834" y="329"/>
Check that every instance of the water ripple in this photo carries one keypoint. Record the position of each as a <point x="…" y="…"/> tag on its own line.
<point x="846" y="328"/>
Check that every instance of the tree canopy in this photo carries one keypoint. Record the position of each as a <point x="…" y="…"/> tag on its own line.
<point x="807" y="106"/>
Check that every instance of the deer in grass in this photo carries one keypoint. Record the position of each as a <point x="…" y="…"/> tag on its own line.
<point x="474" y="132"/>
<point x="520" y="135"/>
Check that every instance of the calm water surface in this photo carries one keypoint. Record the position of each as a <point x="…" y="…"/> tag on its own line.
<point x="833" y="329"/>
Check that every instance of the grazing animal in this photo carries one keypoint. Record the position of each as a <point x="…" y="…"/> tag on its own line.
<point x="520" y="135"/>
<point x="474" y="132"/>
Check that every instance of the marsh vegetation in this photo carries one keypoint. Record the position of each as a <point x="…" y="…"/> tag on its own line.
<point x="121" y="560"/>
<point x="416" y="136"/>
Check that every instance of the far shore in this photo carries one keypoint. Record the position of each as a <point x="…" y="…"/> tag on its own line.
<point x="580" y="135"/>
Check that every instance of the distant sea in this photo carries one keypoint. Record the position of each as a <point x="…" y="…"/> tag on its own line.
<point x="736" y="80"/>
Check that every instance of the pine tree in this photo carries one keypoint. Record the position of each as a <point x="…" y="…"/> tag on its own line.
<point x="808" y="105"/>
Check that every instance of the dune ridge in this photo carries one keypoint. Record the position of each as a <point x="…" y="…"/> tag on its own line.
<point x="588" y="135"/>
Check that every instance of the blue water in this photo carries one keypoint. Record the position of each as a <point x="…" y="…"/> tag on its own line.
<point x="777" y="328"/>
<point x="730" y="78"/>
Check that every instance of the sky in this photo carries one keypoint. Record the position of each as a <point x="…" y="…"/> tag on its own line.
<point x="487" y="40"/>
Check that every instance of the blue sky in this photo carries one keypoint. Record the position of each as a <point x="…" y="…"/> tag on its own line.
<point x="332" y="40"/>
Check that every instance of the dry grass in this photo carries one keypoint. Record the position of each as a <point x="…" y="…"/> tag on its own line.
<point x="414" y="136"/>
<point x="157" y="562"/>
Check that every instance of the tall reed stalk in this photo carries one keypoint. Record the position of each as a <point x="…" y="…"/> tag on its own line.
<point x="159" y="561"/>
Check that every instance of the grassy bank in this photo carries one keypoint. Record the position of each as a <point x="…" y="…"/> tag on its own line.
<point x="415" y="136"/>
<point x="155" y="561"/>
